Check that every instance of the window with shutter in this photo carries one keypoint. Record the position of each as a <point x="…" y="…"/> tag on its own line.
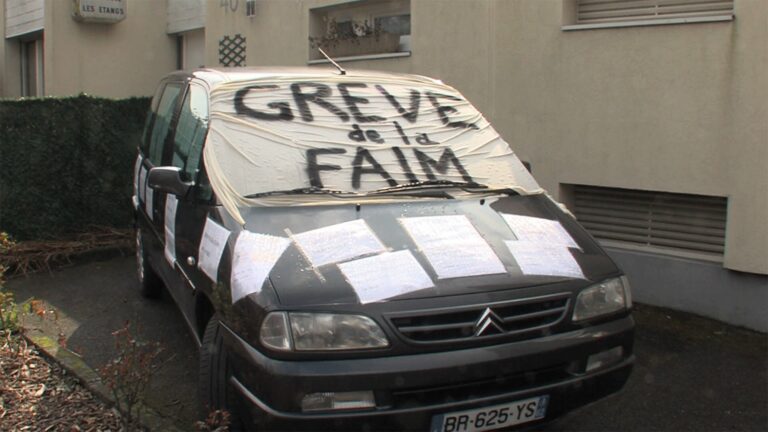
<point x="601" y="11"/>
<point x="678" y="224"/>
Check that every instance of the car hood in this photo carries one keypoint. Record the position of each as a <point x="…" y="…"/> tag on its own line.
<point x="298" y="283"/>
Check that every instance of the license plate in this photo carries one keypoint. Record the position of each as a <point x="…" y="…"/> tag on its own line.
<point x="494" y="417"/>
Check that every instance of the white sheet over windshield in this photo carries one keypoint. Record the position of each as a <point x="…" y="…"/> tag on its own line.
<point x="349" y="133"/>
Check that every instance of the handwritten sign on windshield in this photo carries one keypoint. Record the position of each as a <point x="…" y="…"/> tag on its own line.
<point x="352" y="134"/>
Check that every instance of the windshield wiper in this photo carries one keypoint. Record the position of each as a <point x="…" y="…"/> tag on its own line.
<point x="472" y="187"/>
<point x="298" y="191"/>
<point x="467" y="186"/>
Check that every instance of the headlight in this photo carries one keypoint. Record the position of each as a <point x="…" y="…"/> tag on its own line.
<point x="274" y="331"/>
<point x="604" y="298"/>
<point x="320" y="331"/>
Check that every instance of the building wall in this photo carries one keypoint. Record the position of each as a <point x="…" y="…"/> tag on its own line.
<point x="193" y="46"/>
<point x="2" y="52"/>
<point x="696" y="286"/>
<point x="10" y="67"/>
<point x="23" y="16"/>
<point x="185" y="15"/>
<point x="675" y="108"/>
<point x="118" y="60"/>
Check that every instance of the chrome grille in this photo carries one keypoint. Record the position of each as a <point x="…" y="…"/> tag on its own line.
<point x="523" y="317"/>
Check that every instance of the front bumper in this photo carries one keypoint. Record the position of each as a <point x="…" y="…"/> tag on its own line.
<point x="410" y="390"/>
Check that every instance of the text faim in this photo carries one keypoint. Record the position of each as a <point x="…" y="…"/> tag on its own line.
<point x="307" y="95"/>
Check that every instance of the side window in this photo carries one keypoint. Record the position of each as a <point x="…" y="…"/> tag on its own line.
<point x="190" y="132"/>
<point x="150" y="118"/>
<point x="162" y="122"/>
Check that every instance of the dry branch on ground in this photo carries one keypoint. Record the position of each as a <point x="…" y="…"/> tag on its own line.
<point x="33" y="256"/>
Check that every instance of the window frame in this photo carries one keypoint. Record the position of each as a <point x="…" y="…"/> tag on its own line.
<point x="187" y="93"/>
<point x="571" y="20"/>
<point x="150" y="120"/>
<point x="163" y="141"/>
<point x="358" y="11"/>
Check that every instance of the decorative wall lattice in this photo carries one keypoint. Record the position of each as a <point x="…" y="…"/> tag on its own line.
<point x="232" y="50"/>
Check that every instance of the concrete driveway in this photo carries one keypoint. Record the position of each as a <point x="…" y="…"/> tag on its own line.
<point x="692" y="374"/>
<point x="93" y="300"/>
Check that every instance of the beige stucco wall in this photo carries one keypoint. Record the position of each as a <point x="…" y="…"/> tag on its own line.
<point x="10" y="67"/>
<point x="10" y="87"/>
<point x="677" y="108"/>
<point x="2" y="51"/>
<point x="118" y="60"/>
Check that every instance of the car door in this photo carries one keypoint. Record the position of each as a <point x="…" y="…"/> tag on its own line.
<point x="153" y="150"/>
<point x="184" y="216"/>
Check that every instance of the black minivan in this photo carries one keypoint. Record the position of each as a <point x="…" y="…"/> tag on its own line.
<point x="362" y="250"/>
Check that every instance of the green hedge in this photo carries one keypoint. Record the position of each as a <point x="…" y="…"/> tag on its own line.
<point x="66" y="164"/>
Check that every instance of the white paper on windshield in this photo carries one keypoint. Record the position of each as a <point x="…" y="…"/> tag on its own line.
<point x="544" y="260"/>
<point x="337" y="243"/>
<point x="136" y="169"/>
<point x="171" y="202"/>
<point x="356" y="133"/>
<point x="142" y="186"/>
<point x="453" y="246"/>
<point x="212" y="245"/>
<point x="386" y="275"/>
<point x="254" y="256"/>
<point x="539" y="230"/>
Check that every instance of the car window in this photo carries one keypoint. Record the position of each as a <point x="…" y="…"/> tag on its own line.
<point x="190" y="132"/>
<point x="162" y="122"/>
<point x="150" y="118"/>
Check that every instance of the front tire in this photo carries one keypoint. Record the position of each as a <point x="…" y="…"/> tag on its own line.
<point x="215" y="392"/>
<point x="150" y="285"/>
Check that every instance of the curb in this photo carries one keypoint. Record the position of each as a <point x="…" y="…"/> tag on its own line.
<point x="88" y="377"/>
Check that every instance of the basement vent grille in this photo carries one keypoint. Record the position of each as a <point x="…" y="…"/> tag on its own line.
<point x="598" y="11"/>
<point x="679" y="224"/>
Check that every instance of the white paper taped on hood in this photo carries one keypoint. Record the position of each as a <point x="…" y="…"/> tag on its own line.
<point x="539" y="230"/>
<point x="387" y="275"/>
<point x="545" y="259"/>
<point x="337" y="243"/>
<point x="453" y="246"/>
<point x="349" y="133"/>
<point x="254" y="256"/>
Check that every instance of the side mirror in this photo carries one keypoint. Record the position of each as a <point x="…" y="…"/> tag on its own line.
<point x="168" y="179"/>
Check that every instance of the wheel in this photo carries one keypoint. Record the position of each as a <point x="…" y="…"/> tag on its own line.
<point x="150" y="284"/>
<point x="215" y="392"/>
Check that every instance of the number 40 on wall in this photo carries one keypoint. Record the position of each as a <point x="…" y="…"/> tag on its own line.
<point x="232" y="5"/>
